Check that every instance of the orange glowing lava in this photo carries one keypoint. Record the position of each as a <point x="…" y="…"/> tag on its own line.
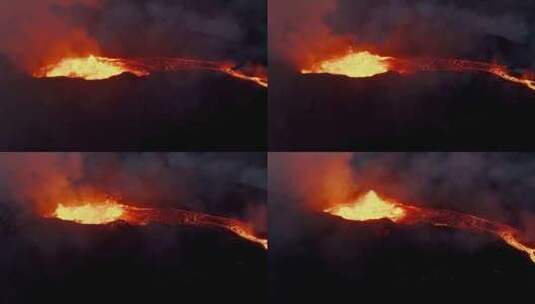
<point x="368" y="207"/>
<point x="88" y="68"/>
<point x="246" y="232"/>
<point x="98" y="68"/>
<point x="365" y="64"/>
<point x="110" y="211"/>
<point x="372" y="207"/>
<point x="261" y="80"/>
<point x="353" y="64"/>
<point x="90" y="213"/>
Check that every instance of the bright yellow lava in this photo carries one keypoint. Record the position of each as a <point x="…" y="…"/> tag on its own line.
<point x="369" y="207"/>
<point x="88" y="68"/>
<point x="90" y="213"/>
<point x="354" y="64"/>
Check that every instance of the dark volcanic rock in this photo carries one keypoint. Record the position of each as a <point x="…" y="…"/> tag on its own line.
<point x="184" y="110"/>
<point x="332" y="259"/>
<point x="432" y="110"/>
<point x="62" y="262"/>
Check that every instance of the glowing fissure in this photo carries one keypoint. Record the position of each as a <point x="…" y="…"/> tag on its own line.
<point x="371" y="206"/>
<point x="366" y="64"/>
<point x="98" y="68"/>
<point x="109" y="211"/>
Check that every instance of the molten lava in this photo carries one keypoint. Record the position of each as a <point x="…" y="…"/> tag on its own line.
<point x="261" y="80"/>
<point x="90" y="213"/>
<point x="97" y="68"/>
<point x="372" y="207"/>
<point x="365" y="64"/>
<point x="353" y="64"/>
<point x="369" y="207"/>
<point x="110" y="211"/>
<point x="88" y="68"/>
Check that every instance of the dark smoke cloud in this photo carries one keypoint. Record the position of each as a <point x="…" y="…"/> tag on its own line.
<point x="38" y="32"/>
<point x="232" y="184"/>
<point x="490" y="30"/>
<point x="214" y="29"/>
<point x="454" y="28"/>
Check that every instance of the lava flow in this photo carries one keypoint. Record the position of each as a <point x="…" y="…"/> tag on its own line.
<point x="354" y="64"/>
<point x="366" y="64"/>
<point x="110" y="211"/>
<point x="371" y="206"/>
<point x="88" y="68"/>
<point x="98" y="68"/>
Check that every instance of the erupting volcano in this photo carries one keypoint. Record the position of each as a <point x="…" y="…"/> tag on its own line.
<point x="371" y="206"/>
<point x="354" y="64"/>
<point x="98" y="68"/>
<point x="88" y="68"/>
<point x="110" y="211"/>
<point x="90" y="213"/>
<point x="365" y="64"/>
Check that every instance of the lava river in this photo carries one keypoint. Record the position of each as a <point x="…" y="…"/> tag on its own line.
<point x="365" y="64"/>
<point x="371" y="206"/>
<point x="97" y="68"/>
<point x="110" y="211"/>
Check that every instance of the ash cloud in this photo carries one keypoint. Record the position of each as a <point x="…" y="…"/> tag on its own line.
<point x="232" y="184"/>
<point x="208" y="29"/>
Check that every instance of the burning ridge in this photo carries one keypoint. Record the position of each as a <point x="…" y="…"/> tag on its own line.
<point x="366" y="64"/>
<point x="111" y="211"/>
<point x="98" y="68"/>
<point x="371" y="206"/>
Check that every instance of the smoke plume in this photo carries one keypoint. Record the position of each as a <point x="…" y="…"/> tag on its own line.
<point x="490" y="30"/>
<point x="231" y="184"/>
<point x="37" y="32"/>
